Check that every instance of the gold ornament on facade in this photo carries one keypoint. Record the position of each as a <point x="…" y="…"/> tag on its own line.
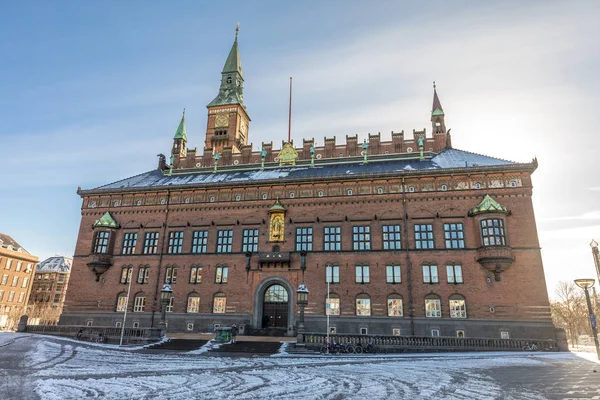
<point x="288" y="155"/>
<point x="277" y="223"/>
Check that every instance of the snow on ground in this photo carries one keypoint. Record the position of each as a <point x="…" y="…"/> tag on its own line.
<point x="66" y="370"/>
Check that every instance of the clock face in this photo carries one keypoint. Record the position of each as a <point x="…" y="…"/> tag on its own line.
<point x="221" y="120"/>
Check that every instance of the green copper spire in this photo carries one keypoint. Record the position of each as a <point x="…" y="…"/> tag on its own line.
<point x="106" y="221"/>
<point x="488" y="205"/>
<point x="181" y="133"/>
<point x="232" y="79"/>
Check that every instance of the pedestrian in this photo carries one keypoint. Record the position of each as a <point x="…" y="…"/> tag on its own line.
<point x="234" y="332"/>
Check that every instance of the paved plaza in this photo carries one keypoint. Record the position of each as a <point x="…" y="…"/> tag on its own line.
<point x="42" y="367"/>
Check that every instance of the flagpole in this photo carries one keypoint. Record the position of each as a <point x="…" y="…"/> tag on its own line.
<point x="126" y="306"/>
<point x="328" y="307"/>
<point x="290" y="115"/>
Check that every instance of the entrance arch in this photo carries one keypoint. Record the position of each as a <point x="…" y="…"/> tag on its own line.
<point x="274" y="288"/>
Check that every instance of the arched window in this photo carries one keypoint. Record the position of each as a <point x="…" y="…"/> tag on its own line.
<point x="363" y="305"/>
<point x="458" y="307"/>
<point x="126" y="273"/>
<point x="276" y="294"/>
<point x="121" y="302"/>
<point x="332" y="305"/>
<point x="139" y="304"/>
<point x="395" y="305"/>
<point x="143" y="274"/>
<point x="193" y="303"/>
<point x="219" y="303"/>
<point x="433" y="306"/>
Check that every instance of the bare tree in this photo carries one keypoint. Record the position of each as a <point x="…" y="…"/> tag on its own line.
<point x="570" y="311"/>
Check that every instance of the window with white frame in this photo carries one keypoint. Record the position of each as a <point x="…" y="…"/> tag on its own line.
<point x="430" y="274"/>
<point x="395" y="306"/>
<point x="332" y="305"/>
<point x="435" y="332"/>
<point x="364" y="330"/>
<point x="135" y="324"/>
<point x="19" y="265"/>
<point x="392" y="274"/>
<point x="25" y="282"/>
<point x="492" y="232"/>
<point x="4" y="279"/>
<point x="454" y="273"/>
<point x="175" y="242"/>
<point x="332" y="274"/>
<point x="190" y="326"/>
<point x="504" y="335"/>
<point x="221" y="274"/>
<point x="8" y="263"/>
<point x="193" y="305"/>
<point x="396" y="331"/>
<point x="11" y="296"/>
<point x="250" y="241"/>
<point x="150" y="243"/>
<point x="196" y="275"/>
<point x="361" y="237"/>
<point x="170" y="304"/>
<point x="363" y="305"/>
<point x="15" y="281"/>
<point x="129" y="243"/>
<point x="139" y="304"/>
<point x="171" y="275"/>
<point x="219" y="303"/>
<point x="199" y="241"/>
<point x="1" y="295"/>
<point x="126" y="273"/>
<point x="304" y="239"/>
<point x="21" y="297"/>
<point x="332" y="238"/>
<point x="391" y="237"/>
<point x="454" y="236"/>
<point x="460" y="333"/>
<point x="362" y="274"/>
<point x="122" y="302"/>
<point x="143" y="274"/>
<point x="424" y="236"/>
<point x="433" y="307"/>
<point x="458" y="308"/>
<point x="101" y="240"/>
<point x="224" y="241"/>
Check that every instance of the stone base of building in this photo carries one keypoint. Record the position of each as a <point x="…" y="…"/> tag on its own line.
<point x="202" y="323"/>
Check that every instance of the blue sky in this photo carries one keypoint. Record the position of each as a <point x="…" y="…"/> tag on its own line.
<point x="92" y="91"/>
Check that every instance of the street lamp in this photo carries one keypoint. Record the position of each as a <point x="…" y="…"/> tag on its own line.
<point x="585" y="284"/>
<point x="302" y="293"/>
<point x="596" y="255"/>
<point x="165" y="298"/>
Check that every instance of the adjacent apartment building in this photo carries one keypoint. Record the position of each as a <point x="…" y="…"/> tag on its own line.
<point x="16" y="271"/>
<point x="48" y="290"/>
<point x="405" y="236"/>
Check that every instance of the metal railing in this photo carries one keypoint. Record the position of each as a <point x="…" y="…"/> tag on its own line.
<point x="88" y="332"/>
<point x="396" y="343"/>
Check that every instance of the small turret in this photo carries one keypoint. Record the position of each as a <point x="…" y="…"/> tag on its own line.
<point x="440" y="136"/>
<point x="179" y="142"/>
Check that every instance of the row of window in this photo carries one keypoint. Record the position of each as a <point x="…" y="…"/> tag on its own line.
<point x="15" y="281"/>
<point x="18" y="267"/>
<point x="221" y="274"/>
<point x="492" y="234"/>
<point x="11" y="296"/>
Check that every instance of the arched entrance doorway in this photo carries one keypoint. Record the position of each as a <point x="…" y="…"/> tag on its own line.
<point x="275" y="308"/>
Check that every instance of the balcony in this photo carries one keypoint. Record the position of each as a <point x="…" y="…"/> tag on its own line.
<point x="495" y="259"/>
<point x="99" y="264"/>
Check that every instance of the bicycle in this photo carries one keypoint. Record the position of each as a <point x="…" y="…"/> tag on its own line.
<point x="530" y="347"/>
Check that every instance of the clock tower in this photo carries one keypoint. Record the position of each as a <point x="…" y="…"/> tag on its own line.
<point x="227" y="126"/>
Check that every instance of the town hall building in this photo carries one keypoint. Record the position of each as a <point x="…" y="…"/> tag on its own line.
<point x="407" y="236"/>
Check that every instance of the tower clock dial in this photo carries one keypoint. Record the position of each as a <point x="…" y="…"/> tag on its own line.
<point x="221" y="121"/>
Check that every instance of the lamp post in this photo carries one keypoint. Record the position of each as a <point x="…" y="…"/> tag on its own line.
<point x="302" y="293"/>
<point x="596" y="255"/>
<point x="585" y="284"/>
<point x="165" y="298"/>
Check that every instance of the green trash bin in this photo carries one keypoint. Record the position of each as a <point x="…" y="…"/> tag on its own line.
<point x="223" y="335"/>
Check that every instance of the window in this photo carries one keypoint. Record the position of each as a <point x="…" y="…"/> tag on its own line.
<point x="196" y="275"/>
<point x="56" y="298"/>
<point x="126" y="274"/>
<point x="221" y="276"/>
<point x="143" y="274"/>
<point x="135" y="324"/>
<point x="304" y="237"/>
<point x="139" y="304"/>
<point x="193" y="305"/>
<point x="292" y="195"/>
<point x="424" y="236"/>
<point x="332" y="330"/>
<point x="151" y="243"/>
<point x="129" y="242"/>
<point x="175" y="242"/>
<point x="454" y="273"/>
<point x="361" y="237"/>
<point x="25" y="282"/>
<point x="504" y="335"/>
<point x="477" y="185"/>
<point x="320" y="193"/>
<point x="444" y="187"/>
<point x="435" y="333"/>
<point x="29" y="267"/>
<point x="460" y="333"/>
<point x="349" y="191"/>
<point x="332" y="238"/>
<point x="190" y="326"/>
<point x="121" y="302"/>
<point x="454" y="236"/>
<point x="396" y="331"/>
<point x="19" y="265"/>
<point x="458" y="309"/>
<point x="430" y="274"/>
<point x="22" y="296"/>
<point x="513" y="183"/>
<point x="394" y="306"/>
<point x="171" y="275"/>
<point x="1" y="295"/>
<point x="11" y="296"/>
<point x="8" y="264"/>
<point x="411" y="189"/>
<point x="199" y="240"/>
<point x="433" y="307"/>
<point x="332" y="305"/>
<point x="492" y="231"/>
<point x="170" y="305"/>
<point x="363" y="331"/>
<point x="392" y="273"/>
<point x="101" y="242"/>
<point x="15" y="281"/>
<point x="4" y="279"/>
<point x="332" y="274"/>
<point x="89" y="322"/>
<point x="118" y="324"/>
<point x="250" y="241"/>
<point x="379" y="190"/>
<point x="391" y="237"/>
<point x="224" y="241"/>
<point x="363" y="305"/>
<point x="219" y="304"/>
<point x="362" y="274"/>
